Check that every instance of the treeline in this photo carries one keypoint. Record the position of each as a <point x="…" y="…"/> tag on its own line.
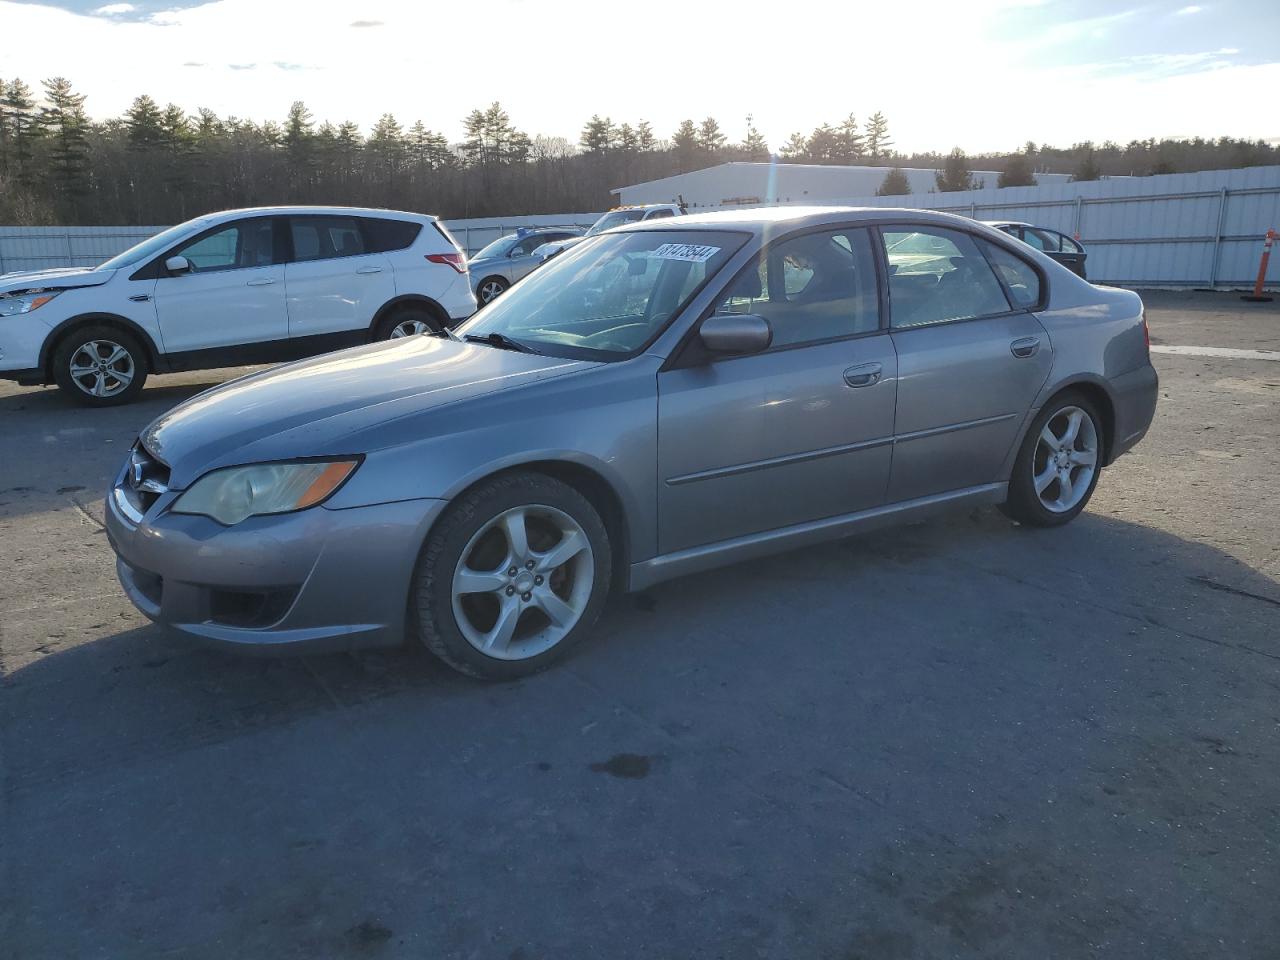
<point x="158" y="165"/>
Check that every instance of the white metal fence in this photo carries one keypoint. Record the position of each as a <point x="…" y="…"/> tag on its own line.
<point x="43" y="248"/>
<point x="1179" y="230"/>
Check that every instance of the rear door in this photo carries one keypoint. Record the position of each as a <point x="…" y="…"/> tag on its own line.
<point x="1071" y="254"/>
<point x="971" y="357"/>
<point x="334" y="284"/>
<point x="234" y="293"/>
<point x="799" y="432"/>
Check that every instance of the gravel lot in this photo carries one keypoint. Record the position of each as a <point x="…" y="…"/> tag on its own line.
<point x="959" y="739"/>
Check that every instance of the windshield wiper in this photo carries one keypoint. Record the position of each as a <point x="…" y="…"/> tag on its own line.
<point x="501" y="341"/>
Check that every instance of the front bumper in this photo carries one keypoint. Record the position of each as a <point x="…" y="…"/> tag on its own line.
<point x="314" y="581"/>
<point x="21" y="340"/>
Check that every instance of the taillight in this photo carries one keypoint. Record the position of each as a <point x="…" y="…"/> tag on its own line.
<point x="455" y="260"/>
<point x="1146" y="331"/>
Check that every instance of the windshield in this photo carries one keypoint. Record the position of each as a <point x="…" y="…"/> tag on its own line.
<point x="496" y="249"/>
<point x="607" y="298"/>
<point x="615" y="219"/>
<point x="152" y="245"/>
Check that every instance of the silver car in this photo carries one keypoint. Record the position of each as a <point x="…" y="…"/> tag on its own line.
<point x="510" y="258"/>
<point x="656" y="401"/>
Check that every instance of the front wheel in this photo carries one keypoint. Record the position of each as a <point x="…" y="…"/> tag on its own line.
<point x="100" y="366"/>
<point x="513" y="576"/>
<point x="1058" y="466"/>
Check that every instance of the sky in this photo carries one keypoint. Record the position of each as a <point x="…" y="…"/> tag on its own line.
<point x="980" y="74"/>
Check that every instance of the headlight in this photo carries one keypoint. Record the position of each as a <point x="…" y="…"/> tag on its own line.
<point x="236" y="493"/>
<point x="25" y="302"/>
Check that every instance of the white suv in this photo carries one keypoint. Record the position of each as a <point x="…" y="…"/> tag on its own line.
<point x="244" y="286"/>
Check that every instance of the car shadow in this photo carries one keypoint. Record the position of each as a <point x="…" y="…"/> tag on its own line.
<point x="941" y="716"/>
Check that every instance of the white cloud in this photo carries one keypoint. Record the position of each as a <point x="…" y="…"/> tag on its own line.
<point x="115" y="9"/>
<point x="1187" y="11"/>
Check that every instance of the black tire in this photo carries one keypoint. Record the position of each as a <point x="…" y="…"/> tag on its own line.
<point x="79" y="389"/>
<point x="407" y="314"/>
<point x="433" y="581"/>
<point x="1023" y="503"/>
<point x="500" y="282"/>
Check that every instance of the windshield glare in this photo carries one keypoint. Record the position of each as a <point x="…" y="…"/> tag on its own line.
<point x="152" y="245"/>
<point x="606" y="298"/>
<point x="495" y="249"/>
<point x="615" y="219"/>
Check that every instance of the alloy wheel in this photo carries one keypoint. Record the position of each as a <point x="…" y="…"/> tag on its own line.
<point x="102" y="368"/>
<point x="489" y="290"/>
<point x="1065" y="460"/>
<point x="409" y="328"/>
<point x="523" y="582"/>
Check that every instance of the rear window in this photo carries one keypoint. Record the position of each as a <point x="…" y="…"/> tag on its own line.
<point x="382" y="236"/>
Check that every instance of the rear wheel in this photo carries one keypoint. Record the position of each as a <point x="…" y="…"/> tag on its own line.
<point x="100" y="366"/>
<point x="490" y="289"/>
<point x="407" y="322"/>
<point x="512" y="577"/>
<point x="1058" y="466"/>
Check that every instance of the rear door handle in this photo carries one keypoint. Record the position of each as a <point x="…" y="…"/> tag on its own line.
<point x="1026" y="347"/>
<point x="259" y="283"/>
<point x="863" y="375"/>
<point x="369" y="270"/>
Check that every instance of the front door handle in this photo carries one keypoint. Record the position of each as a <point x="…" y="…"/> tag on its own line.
<point x="259" y="283"/>
<point x="863" y="375"/>
<point x="1026" y="347"/>
<point x="369" y="270"/>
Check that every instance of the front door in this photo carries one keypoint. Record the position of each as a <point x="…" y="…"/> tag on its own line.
<point x="334" y="287"/>
<point x="971" y="358"/>
<point x="799" y="432"/>
<point x="233" y="295"/>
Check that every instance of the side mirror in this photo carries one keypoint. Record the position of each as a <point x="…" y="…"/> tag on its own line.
<point x="178" y="265"/>
<point x="735" y="333"/>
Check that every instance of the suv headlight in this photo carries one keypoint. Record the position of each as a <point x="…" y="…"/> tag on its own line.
<point x="25" y="302"/>
<point x="237" y="493"/>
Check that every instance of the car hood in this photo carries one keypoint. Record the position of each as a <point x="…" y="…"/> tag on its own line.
<point x="338" y="404"/>
<point x="60" y="279"/>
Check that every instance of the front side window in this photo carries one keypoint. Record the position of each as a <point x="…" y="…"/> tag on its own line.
<point x="819" y="286"/>
<point x="527" y="245"/>
<point x="936" y="274"/>
<point x="1018" y="275"/>
<point x="234" y="247"/>
<point x="1041" y="239"/>
<point x="607" y="298"/>
<point x="151" y="246"/>
<point x="322" y="238"/>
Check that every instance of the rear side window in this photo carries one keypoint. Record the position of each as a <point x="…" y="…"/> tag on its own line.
<point x="937" y="275"/>
<point x="383" y="236"/>
<point x="657" y="214"/>
<point x="1018" y="275"/>
<point x="815" y="287"/>
<point x="1069" y="245"/>
<point x="323" y="238"/>
<point x="1041" y="239"/>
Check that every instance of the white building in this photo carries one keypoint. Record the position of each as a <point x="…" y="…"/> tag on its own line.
<point x="738" y="184"/>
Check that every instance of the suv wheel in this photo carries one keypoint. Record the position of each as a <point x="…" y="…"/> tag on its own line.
<point x="100" y="366"/>
<point x="407" y="322"/>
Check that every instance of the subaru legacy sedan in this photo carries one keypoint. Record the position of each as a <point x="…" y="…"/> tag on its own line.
<point x="658" y="400"/>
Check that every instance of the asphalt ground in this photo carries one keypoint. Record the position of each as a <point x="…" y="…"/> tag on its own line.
<point x="952" y="739"/>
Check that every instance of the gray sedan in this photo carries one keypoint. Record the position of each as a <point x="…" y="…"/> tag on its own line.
<point x="510" y="258"/>
<point x="656" y="401"/>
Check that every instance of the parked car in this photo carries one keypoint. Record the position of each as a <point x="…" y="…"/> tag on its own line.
<point x="663" y="399"/>
<point x="507" y="259"/>
<point x="1057" y="246"/>
<point x="242" y="286"/>
<point x="617" y="217"/>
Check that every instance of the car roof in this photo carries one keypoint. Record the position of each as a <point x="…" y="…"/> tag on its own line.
<point x="759" y="219"/>
<point x="1007" y="223"/>
<point x="335" y="211"/>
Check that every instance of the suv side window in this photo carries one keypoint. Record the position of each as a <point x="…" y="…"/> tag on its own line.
<point x="817" y="286"/>
<point x="247" y="243"/>
<point x="1018" y="275"/>
<point x="323" y="238"/>
<point x="936" y="274"/>
<point x="384" y="236"/>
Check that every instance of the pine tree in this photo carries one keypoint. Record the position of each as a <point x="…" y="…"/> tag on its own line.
<point x="684" y="144"/>
<point x="895" y="184"/>
<point x="796" y="147"/>
<point x="848" y="141"/>
<point x="877" y="142"/>
<point x="142" y="120"/>
<point x="1017" y="172"/>
<point x="598" y="135"/>
<point x="955" y="174"/>
<point x="645" y="139"/>
<point x="64" y="122"/>
<point x="1087" y="168"/>
<point x="22" y="127"/>
<point x="492" y="140"/>
<point x="627" y="140"/>
<point x="710" y="138"/>
<point x="755" y="147"/>
<point x="823" y="145"/>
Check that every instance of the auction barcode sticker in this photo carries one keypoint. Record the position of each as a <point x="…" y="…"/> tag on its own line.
<point x="693" y="252"/>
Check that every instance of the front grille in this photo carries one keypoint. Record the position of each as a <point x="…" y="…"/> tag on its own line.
<point x="145" y="479"/>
